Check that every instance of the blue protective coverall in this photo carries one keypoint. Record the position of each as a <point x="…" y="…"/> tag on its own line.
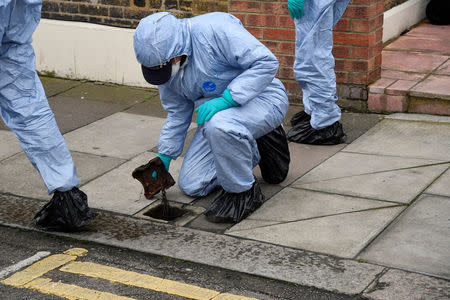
<point x="314" y="62"/>
<point x="221" y="55"/>
<point x="23" y="104"/>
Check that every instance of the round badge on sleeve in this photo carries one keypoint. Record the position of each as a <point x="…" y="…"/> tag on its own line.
<point x="209" y="86"/>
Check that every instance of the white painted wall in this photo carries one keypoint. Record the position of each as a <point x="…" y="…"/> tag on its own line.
<point x="403" y="16"/>
<point x="87" y="51"/>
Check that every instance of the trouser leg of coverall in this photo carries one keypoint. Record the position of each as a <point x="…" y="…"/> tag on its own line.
<point x="224" y="150"/>
<point x="23" y="105"/>
<point x="314" y="61"/>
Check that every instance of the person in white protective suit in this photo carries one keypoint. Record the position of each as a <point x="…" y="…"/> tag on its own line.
<point x="210" y="63"/>
<point x="25" y="110"/>
<point x="314" y="71"/>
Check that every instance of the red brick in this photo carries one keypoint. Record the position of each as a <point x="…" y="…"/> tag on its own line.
<point x="341" y="51"/>
<point x="286" y="21"/>
<point x="261" y="20"/>
<point x="287" y="47"/>
<point x="278" y="34"/>
<point x="343" y="25"/>
<point x="276" y="8"/>
<point x="387" y="103"/>
<point x="374" y="75"/>
<point x="361" y="12"/>
<point x="241" y="17"/>
<point x="379" y="35"/>
<point x="358" y="78"/>
<point x="356" y="39"/>
<point x="341" y="77"/>
<point x="360" y="52"/>
<point x="365" y="1"/>
<point x="359" y="25"/>
<point x="256" y="32"/>
<point x="285" y="72"/>
<point x="245" y="6"/>
<point x="380" y="7"/>
<point x="286" y="60"/>
<point x="273" y="46"/>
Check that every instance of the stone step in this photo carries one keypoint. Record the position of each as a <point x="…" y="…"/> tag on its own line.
<point x="400" y="91"/>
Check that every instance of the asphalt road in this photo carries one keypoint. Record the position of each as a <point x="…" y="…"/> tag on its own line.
<point x="17" y="245"/>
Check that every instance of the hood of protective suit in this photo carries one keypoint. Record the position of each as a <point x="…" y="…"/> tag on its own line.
<point x="160" y="37"/>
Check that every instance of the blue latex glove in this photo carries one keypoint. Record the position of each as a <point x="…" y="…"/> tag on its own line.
<point x="209" y="108"/>
<point x="166" y="161"/>
<point x="296" y="8"/>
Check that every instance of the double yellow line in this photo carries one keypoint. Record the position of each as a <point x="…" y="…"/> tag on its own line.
<point x="32" y="278"/>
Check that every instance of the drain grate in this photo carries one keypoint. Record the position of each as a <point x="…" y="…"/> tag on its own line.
<point x="166" y="213"/>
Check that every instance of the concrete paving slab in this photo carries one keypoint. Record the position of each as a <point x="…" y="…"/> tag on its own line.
<point x="9" y="145"/>
<point x="24" y="180"/>
<point x="406" y="139"/>
<point x="294" y="205"/>
<point x="344" y="235"/>
<point x="444" y="69"/>
<point x="201" y="223"/>
<point x="120" y="135"/>
<point x="150" y="107"/>
<point x="356" y="124"/>
<point x="54" y="86"/>
<point x="400" y="186"/>
<point x="72" y="113"/>
<point x="117" y="190"/>
<point x="419" y="118"/>
<point x="303" y="159"/>
<point x="110" y="93"/>
<point x="441" y="186"/>
<point x="248" y="224"/>
<point x="418" y="241"/>
<point x="397" y="284"/>
<point x="345" y="164"/>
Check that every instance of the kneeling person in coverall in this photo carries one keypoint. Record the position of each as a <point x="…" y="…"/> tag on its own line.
<point x="212" y="63"/>
<point x="314" y="71"/>
<point x="25" y="110"/>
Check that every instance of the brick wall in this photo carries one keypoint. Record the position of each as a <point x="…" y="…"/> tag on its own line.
<point x="357" y="36"/>
<point x="125" y="13"/>
<point x="357" y="44"/>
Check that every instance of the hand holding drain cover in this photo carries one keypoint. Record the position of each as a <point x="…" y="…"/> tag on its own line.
<point x="151" y="185"/>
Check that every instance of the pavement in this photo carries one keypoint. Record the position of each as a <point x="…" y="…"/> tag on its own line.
<point x="369" y="217"/>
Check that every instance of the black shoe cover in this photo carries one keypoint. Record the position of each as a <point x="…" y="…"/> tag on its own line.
<point x="275" y="156"/>
<point x="66" y="211"/>
<point x="234" y="207"/>
<point x="302" y="132"/>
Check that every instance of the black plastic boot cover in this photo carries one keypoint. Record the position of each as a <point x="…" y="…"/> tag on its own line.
<point x="234" y="207"/>
<point x="66" y="211"/>
<point x="302" y="132"/>
<point x="275" y="157"/>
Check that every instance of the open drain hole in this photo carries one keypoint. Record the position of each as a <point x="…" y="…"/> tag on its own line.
<point x="162" y="212"/>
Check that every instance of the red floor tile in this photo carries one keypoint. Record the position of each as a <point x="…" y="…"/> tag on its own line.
<point x="427" y="30"/>
<point x="379" y="86"/>
<point x="400" y="87"/>
<point x="444" y="69"/>
<point x="435" y="86"/>
<point x="386" y="73"/>
<point x="411" y="61"/>
<point x="421" y="44"/>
